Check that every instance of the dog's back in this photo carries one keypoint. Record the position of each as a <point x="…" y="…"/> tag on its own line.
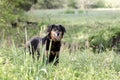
<point x="33" y="45"/>
<point x="35" y="42"/>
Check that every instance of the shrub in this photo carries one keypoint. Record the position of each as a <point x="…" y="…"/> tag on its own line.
<point x="106" y="38"/>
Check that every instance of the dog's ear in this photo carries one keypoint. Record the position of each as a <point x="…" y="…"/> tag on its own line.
<point x="50" y="28"/>
<point x="62" y="28"/>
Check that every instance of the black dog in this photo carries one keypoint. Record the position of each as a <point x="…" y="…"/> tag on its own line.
<point x="53" y="38"/>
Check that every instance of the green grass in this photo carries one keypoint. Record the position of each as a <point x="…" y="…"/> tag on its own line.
<point x="79" y="18"/>
<point x="81" y="64"/>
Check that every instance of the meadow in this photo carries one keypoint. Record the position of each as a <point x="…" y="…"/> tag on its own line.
<point x="79" y="64"/>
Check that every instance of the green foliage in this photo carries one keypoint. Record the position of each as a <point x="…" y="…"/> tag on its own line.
<point x="8" y="12"/>
<point x="26" y="4"/>
<point x="75" y="4"/>
<point x="104" y="38"/>
<point x="49" y="4"/>
<point x="72" y="4"/>
<point x="99" y="4"/>
<point x="13" y="10"/>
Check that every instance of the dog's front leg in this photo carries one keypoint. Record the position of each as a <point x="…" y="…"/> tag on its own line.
<point x="57" y="58"/>
<point x="47" y="57"/>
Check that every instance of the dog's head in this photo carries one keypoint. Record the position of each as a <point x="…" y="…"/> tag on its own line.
<point x="56" y="32"/>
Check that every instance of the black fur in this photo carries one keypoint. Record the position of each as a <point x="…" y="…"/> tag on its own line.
<point x="35" y="44"/>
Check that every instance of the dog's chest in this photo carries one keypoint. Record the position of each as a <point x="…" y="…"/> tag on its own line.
<point x="54" y="46"/>
<point x="51" y="45"/>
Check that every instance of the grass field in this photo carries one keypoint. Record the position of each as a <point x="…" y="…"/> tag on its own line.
<point x="81" y="64"/>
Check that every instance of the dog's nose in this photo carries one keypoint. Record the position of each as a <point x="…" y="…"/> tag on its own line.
<point x="58" y="34"/>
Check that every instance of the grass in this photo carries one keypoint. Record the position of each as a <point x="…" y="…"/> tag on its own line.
<point x="81" y="64"/>
<point x="61" y="16"/>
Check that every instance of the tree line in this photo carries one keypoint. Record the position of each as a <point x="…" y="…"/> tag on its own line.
<point x="11" y="10"/>
<point x="76" y="4"/>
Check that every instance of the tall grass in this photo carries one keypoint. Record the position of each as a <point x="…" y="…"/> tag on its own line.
<point x="81" y="64"/>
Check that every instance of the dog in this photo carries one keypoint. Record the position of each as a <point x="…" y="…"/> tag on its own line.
<point x="53" y="38"/>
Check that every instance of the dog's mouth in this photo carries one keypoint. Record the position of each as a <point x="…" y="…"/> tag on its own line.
<point x="56" y="37"/>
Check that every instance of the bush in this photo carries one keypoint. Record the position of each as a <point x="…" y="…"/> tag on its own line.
<point x="72" y="4"/>
<point x="13" y="10"/>
<point x="106" y="38"/>
<point x="99" y="4"/>
<point x="49" y="4"/>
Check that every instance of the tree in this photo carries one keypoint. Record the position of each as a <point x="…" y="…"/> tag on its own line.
<point x="11" y="10"/>
<point x="50" y="4"/>
<point x="26" y="4"/>
<point x="72" y="4"/>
